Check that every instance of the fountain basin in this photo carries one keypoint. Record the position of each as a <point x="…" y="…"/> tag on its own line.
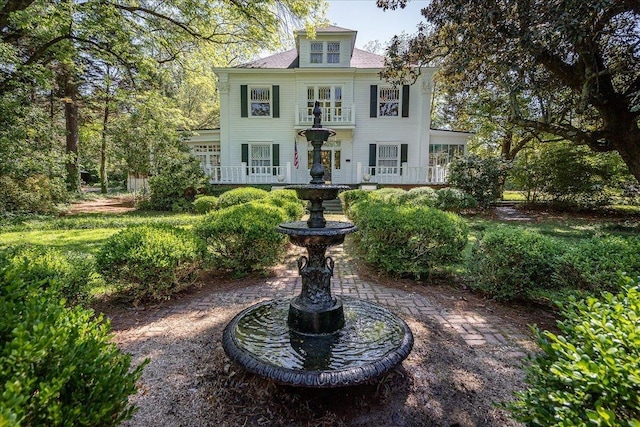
<point x="372" y="342"/>
<point x="300" y="234"/>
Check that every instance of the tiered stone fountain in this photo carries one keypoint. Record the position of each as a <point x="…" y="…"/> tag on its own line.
<point x="316" y="339"/>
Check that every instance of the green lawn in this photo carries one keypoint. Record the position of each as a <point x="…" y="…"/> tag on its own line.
<point x="82" y="233"/>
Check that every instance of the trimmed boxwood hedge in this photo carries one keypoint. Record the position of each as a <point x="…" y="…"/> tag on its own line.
<point x="407" y="240"/>
<point x="58" y="366"/>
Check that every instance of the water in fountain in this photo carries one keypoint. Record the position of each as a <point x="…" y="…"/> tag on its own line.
<point x="316" y="339"/>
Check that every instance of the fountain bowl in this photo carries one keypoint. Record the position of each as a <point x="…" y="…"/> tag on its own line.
<point x="372" y="342"/>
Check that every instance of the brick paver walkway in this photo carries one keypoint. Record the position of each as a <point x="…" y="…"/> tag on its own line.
<point x="474" y="328"/>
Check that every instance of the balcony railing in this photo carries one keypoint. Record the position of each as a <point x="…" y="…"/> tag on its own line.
<point x="334" y="116"/>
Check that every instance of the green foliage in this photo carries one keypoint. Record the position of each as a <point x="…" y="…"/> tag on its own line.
<point x="350" y="197"/>
<point x="589" y="374"/>
<point x="58" y="366"/>
<point x="288" y="201"/>
<point x="510" y="263"/>
<point x="420" y="196"/>
<point x="595" y="264"/>
<point x="480" y="177"/>
<point x="205" y="204"/>
<point x="454" y="200"/>
<point x="388" y="195"/>
<point x="34" y="194"/>
<point x="176" y="184"/>
<point x="240" y="195"/>
<point x="408" y="240"/>
<point x="157" y="260"/>
<point x="69" y="275"/>
<point x="568" y="176"/>
<point x="242" y="238"/>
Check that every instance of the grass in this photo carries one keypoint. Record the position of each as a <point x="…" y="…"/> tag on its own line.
<point x="86" y="233"/>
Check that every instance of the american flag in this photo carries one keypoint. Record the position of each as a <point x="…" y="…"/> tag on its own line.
<point x="296" y="160"/>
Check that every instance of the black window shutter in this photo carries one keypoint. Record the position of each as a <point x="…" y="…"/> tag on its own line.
<point x="373" y="101"/>
<point x="405" y="101"/>
<point x="275" y="157"/>
<point x="373" y="151"/>
<point x="245" y="156"/>
<point x="244" y="103"/>
<point x="276" y="101"/>
<point x="404" y="151"/>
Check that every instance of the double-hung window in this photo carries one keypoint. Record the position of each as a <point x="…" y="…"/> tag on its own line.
<point x="260" y="159"/>
<point x="260" y="101"/>
<point x="388" y="102"/>
<point x="317" y="51"/>
<point x="388" y="159"/>
<point x="333" y="52"/>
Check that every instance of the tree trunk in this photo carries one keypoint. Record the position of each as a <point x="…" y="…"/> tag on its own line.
<point x="70" y="92"/>
<point x="629" y="148"/>
<point x="103" y="150"/>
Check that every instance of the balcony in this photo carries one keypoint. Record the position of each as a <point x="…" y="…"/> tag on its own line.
<point x="334" y="117"/>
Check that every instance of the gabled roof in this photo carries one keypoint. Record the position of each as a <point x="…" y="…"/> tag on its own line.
<point x="289" y="59"/>
<point x="329" y="29"/>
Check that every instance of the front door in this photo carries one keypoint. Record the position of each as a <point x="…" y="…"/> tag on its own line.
<point x="330" y="161"/>
<point x="327" y="163"/>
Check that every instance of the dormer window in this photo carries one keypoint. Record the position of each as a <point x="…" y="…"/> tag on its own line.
<point x="333" y="52"/>
<point x="316" y="52"/>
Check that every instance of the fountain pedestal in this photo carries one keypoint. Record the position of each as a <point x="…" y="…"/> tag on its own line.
<point x="316" y="339"/>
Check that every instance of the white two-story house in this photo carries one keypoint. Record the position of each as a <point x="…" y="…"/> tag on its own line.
<point x="382" y="132"/>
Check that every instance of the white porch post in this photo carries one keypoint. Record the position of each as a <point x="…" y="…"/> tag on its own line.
<point x="404" y="173"/>
<point x="358" y="173"/>
<point x="243" y="173"/>
<point x="288" y="173"/>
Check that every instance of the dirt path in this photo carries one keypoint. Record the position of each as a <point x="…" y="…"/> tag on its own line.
<point x="112" y="205"/>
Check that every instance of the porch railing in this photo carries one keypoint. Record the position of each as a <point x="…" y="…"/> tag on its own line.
<point x="246" y="174"/>
<point x="401" y="174"/>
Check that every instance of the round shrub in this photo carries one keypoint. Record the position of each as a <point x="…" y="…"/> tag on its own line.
<point x="349" y="197"/>
<point x="242" y="238"/>
<point x="408" y="240"/>
<point x="589" y="374"/>
<point x="205" y="204"/>
<point x="508" y="263"/>
<point x="481" y="177"/>
<point x="58" y="366"/>
<point x="157" y="260"/>
<point x="175" y="185"/>
<point x="287" y="200"/>
<point x="240" y="195"/>
<point x="69" y="275"/>
<point x="388" y="195"/>
<point x="454" y="200"/>
<point x="420" y="196"/>
<point x="595" y="264"/>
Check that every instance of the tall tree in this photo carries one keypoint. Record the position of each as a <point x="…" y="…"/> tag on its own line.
<point x="583" y="56"/>
<point x="39" y="37"/>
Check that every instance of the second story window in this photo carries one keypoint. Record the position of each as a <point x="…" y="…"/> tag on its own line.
<point x="316" y="52"/>
<point x="388" y="102"/>
<point x="260" y="101"/>
<point x="333" y="52"/>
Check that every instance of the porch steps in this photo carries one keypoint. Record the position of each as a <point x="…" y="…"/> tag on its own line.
<point x="332" y="206"/>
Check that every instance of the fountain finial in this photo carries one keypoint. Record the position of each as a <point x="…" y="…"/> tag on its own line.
<point x="317" y="112"/>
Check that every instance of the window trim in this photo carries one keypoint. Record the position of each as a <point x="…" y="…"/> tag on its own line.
<point x="384" y="169"/>
<point x="264" y="169"/>
<point x="336" y="53"/>
<point x="398" y="101"/>
<point x="314" y="52"/>
<point x="250" y="101"/>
